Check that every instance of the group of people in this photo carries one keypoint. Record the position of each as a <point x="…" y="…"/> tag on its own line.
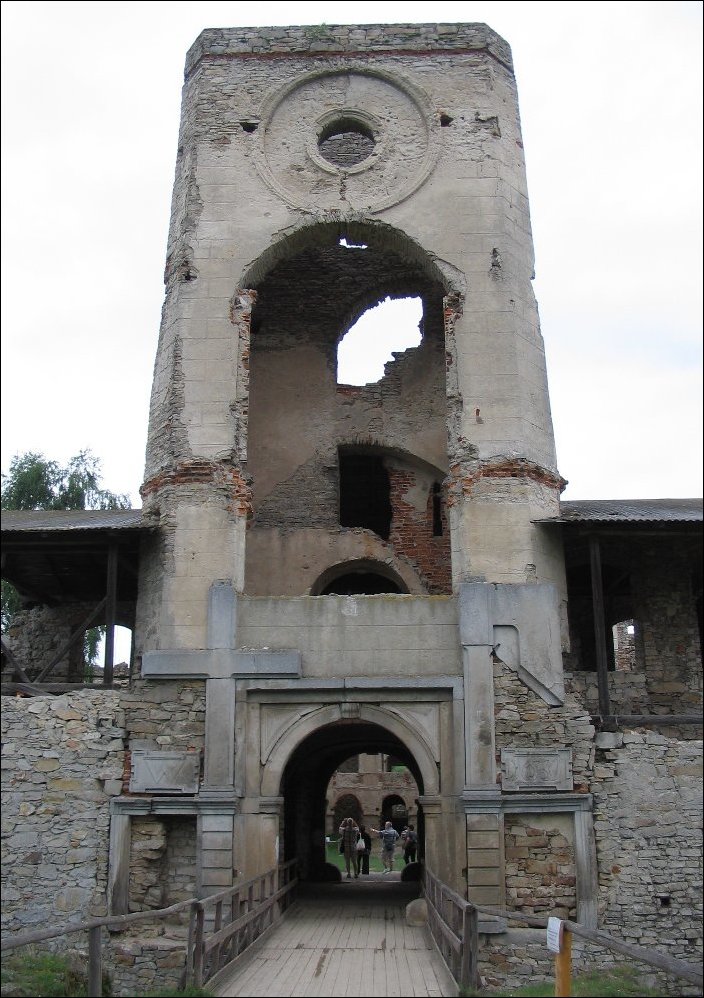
<point x="356" y="846"/>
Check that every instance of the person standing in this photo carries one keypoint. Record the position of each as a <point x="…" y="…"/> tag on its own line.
<point x="410" y="844"/>
<point x="388" y="836"/>
<point x="363" y="856"/>
<point x="349" y="834"/>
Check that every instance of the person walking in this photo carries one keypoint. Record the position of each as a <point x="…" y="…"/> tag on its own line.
<point x="388" y="836"/>
<point x="363" y="855"/>
<point x="349" y="833"/>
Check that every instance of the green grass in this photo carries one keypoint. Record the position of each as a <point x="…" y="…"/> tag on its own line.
<point x="28" y="973"/>
<point x="186" y="993"/>
<point x="375" y="865"/>
<point x="621" y="982"/>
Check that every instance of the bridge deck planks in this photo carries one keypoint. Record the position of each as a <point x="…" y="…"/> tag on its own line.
<point x="342" y="940"/>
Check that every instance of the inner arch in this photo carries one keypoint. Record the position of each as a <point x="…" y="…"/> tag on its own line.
<point x="307" y="774"/>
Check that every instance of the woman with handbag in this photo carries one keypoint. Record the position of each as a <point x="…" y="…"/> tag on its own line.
<point x="363" y="853"/>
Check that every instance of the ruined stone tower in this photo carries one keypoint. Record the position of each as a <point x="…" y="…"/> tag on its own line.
<point x="344" y="565"/>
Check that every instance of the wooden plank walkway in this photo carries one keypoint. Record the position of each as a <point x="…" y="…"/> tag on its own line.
<point x="342" y="939"/>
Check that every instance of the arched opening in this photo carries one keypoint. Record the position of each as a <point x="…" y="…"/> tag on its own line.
<point x="346" y="806"/>
<point x="304" y="433"/>
<point x="395" y="810"/>
<point x="307" y="774"/>
<point x="358" y="578"/>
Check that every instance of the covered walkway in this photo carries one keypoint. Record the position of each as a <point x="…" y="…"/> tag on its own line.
<point x="342" y="939"/>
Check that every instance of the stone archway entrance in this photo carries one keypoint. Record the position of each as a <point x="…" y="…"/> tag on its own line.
<point x="306" y="778"/>
<point x="302" y="743"/>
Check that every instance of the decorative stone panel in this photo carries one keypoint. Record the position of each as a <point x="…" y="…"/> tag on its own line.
<point x="163" y="772"/>
<point x="536" y="769"/>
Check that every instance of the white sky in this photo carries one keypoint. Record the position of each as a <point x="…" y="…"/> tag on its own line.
<point x="611" y="108"/>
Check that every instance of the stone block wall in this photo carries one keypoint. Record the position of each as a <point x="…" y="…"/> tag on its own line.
<point x="524" y="720"/>
<point x="540" y="868"/>
<point x="62" y="761"/>
<point x="648" y="809"/>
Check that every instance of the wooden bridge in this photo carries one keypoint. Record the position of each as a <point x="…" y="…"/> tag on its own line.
<point x="350" y="938"/>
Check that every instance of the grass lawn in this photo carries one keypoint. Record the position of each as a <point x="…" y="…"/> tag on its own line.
<point x="622" y="982"/>
<point x="375" y="865"/>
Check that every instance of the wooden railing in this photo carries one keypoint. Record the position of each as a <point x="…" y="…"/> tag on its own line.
<point x="220" y="928"/>
<point x="453" y="924"/>
<point x="224" y="925"/>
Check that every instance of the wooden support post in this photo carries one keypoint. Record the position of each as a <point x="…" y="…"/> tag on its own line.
<point x="602" y="664"/>
<point x="95" y="968"/>
<point x="110" y="615"/>
<point x="198" y="962"/>
<point x="563" y="967"/>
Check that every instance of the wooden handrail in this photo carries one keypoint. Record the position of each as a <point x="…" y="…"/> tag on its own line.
<point x="201" y="943"/>
<point x="468" y="947"/>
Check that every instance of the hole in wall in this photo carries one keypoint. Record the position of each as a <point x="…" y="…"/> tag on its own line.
<point x="389" y="328"/>
<point x="346" y="142"/>
<point x="445" y="120"/>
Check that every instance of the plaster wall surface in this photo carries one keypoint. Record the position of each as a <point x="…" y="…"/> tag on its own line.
<point x="372" y="636"/>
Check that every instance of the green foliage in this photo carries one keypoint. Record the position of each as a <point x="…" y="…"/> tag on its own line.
<point x="27" y="973"/>
<point x="621" y="982"/>
<point x="317" y="31"/>
<point x="34" y="482"/>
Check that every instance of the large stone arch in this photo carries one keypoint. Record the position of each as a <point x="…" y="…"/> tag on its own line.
<point x="291" y="738"/>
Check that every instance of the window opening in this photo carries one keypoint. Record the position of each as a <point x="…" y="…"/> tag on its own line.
<point x="122" y="652"/>
<point x="346" y="142"/>
<point x="365" y="493"/>
<point x="625" y="645"/>
<point x="380" y="333"/>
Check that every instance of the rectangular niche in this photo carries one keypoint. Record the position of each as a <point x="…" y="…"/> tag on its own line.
<point x="536" y="769"/>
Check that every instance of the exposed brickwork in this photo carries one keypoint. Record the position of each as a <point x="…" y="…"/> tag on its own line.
<point x="412" y="534"/>
<point x="227" y="479"/>
<point x="462" y="481"/>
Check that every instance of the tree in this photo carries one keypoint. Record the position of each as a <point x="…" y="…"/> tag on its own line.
<point x="34" y="482"/>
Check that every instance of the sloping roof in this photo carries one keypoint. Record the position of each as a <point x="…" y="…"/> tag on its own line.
<point x="16" y="520"/>
<point x="61" y="555"/>
<point x="628" y="511"/>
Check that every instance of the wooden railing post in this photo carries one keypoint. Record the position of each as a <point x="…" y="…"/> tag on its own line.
<point x="199" y="949"/>
<point x="563" y="967"/>
<point x="190" y="946"/>
<point x="469" y="973"/>
<point x="95" y="963"/>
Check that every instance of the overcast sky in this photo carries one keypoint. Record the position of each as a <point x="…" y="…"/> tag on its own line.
<point x="610" y="97"/>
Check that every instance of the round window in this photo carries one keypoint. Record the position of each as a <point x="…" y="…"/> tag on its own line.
<point x="346" y="142"/>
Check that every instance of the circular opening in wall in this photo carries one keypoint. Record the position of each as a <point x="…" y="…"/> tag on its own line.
<point x="346" y="141"/>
